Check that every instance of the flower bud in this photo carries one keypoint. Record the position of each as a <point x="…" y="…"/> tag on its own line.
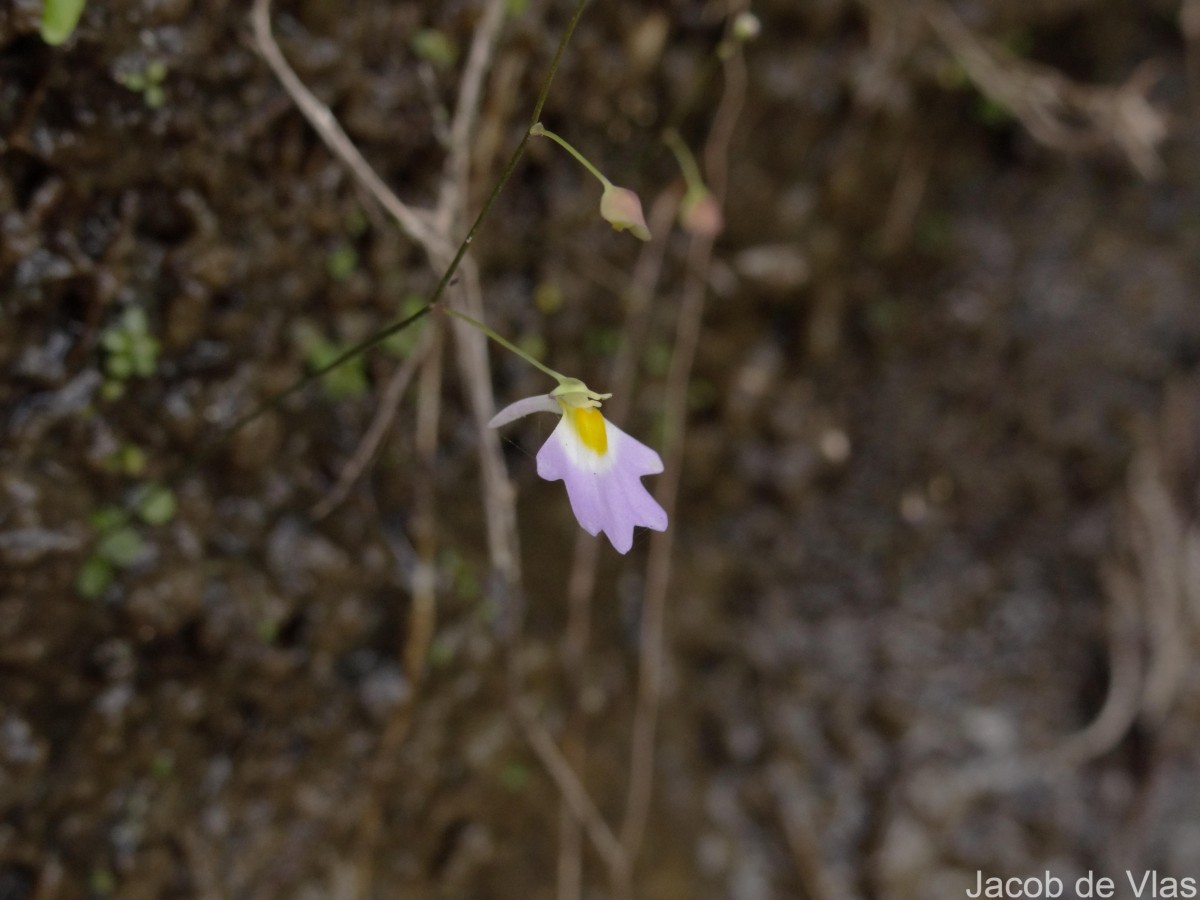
<point x="622" y="209"/>
<point x="700" y="215"/>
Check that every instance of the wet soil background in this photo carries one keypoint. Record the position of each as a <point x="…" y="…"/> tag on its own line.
<point x="906" y="470"/>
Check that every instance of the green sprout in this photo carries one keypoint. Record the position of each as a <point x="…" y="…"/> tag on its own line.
<point x="119" y="542"/>
<point x="132" y="350"/>
<point x="59" y="18"/>
<point x="129" y="459"/>
<point x="148" y="83"/>
<point x="118" y="546"/>
<point x="156" y="504"/>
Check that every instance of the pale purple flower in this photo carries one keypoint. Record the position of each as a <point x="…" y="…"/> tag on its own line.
<point x="601" y="466"/>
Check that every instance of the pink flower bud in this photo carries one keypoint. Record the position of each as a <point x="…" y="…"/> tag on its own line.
<point x="699" y="214"/>
<point x="622" y="209"/>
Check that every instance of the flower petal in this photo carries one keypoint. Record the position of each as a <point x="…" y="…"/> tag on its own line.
<point x="640" y="457"/>
<point x="559" y="460"/>
<point x="605" y="490"/>
<point x="514" y="411"/>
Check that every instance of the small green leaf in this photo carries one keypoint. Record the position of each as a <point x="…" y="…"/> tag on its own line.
<point x="131" y="460"/>
<point x="114" y="341"/>
<point x="144" y="355"/>
<point x="106" y="518"/>
<point x="121" y="547"/>
<point x="156" y="71"/>
<point x="157" y="505"/>
<point x="119" y="367"/>
<point x="154" y="96"/>
<point x="132" y="350"/>
<point x="135" y="81"/>
<point x="59" y="18"/>
<point x="435" y="47"/>
<point x="94" y="578"/>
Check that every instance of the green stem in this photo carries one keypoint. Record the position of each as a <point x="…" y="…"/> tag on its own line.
<point x="361" y="347"/>
<point x="687" y="162"/>
<point x="539" y="129"/>
<point x="562" y="46"/>
<point x="508" y="346"/>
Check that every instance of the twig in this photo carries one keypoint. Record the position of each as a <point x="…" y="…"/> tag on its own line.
<point x="658" y="568"/>
<point x="1120" y="708"/>
<point x="499" y="501"/>
<point x="449" y="211"/>
<point x="905" y="202"/>
<point x="457" y="174"/>
<point x="1057" y="111"/>
<point x="574" y="793"/>
<point x="794" y="809"/>
<point x="414" y="223"/>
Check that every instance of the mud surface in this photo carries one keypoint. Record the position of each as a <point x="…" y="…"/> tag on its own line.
<point x="940" y="453"/>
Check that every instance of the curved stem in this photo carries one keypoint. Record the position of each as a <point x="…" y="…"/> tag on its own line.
<point x="539" y="129"/>
<point x="505" y="344"/>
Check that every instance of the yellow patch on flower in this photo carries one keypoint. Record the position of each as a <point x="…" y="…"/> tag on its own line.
<point x="589" y="425"/>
